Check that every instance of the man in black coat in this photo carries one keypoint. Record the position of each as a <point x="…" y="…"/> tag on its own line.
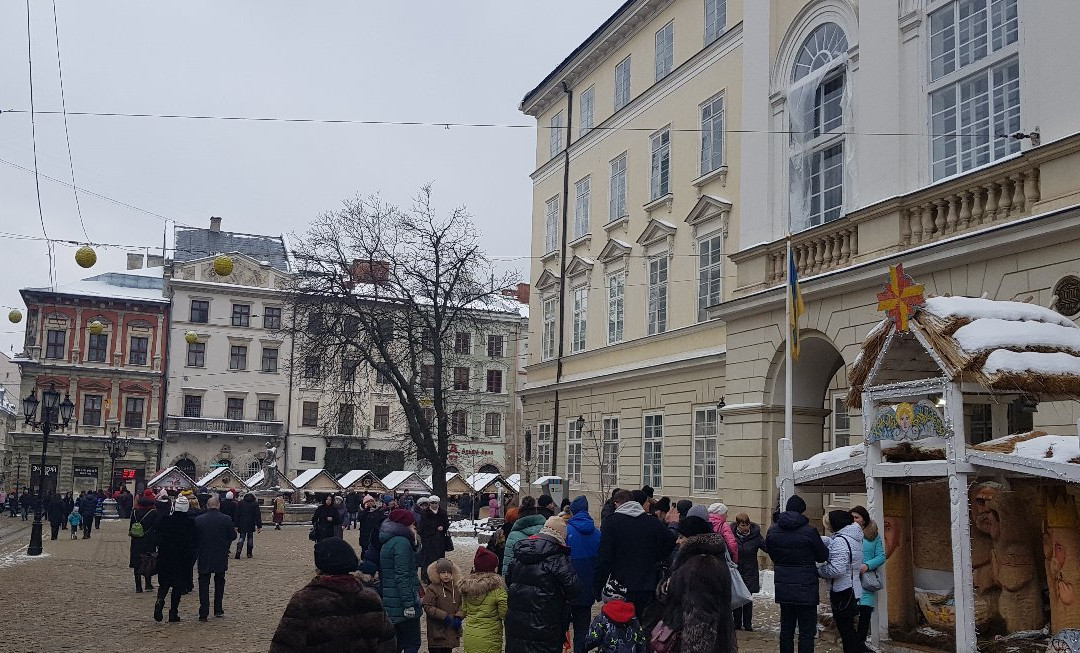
<point x="215" y="533"/>
<point x="228" y="505"/>
<point x="57" y="516"/>
<point x="541" y="583"/>
<point x="248" y="521"/>
<point x="178" y="547"/>
<point x="633" y="543"/>
<point x="370" y="519"/>
<point x="795" y="548"/>
<point x="87" y="508"/>
<point x="25" y="501"/>
<point x="352" y="505"/>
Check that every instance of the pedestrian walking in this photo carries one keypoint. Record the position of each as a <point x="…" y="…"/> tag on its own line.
<point x="528" y="524"/>
<point x="24" y="504"/>
<point x="633" y="545"/>
<point x="352" y="506"/>
<point x="697" y="598"/>
<point x="748" y="536"/>
<point x="87" y="508"/>
<point x="795" y="548"/>
<point x="55" y="510"/>
<point x="343" y="515"/>
<point x="279" y="512"/>
<point x="69" y="505"/>
<point x="873" y="558"/>
<point x="368" y="521"/>
<point x="616" y="629"/>
<point x="325" y="519"/>
<point x="842" y="572"/>
<point x="215" y="533"/>
<point x="124" y="503"/>
<point x="248" y="522"/>
<point x="99" y="510"/>
<point x="397" y="577"/>
<point x="228" y="505"/>
<point x="484" y="603"/>
<point x="334" y="611"/>
<point x="74" y="522"/>
<point x="442" y="605"/>
<point x="493" y="507"/>
<point x="718" y="520"/>
<point x="434" y="528"/>
<point x="142" y="542"/>
<point x="583" y="538"/>
<point x="177" y="547"/>
<point x="541" y="584"/>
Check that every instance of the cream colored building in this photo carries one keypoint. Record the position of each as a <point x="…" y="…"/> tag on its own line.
<point x="699" y="134"/>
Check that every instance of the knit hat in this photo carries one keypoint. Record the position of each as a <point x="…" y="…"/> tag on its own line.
<point x="717" y="508"/>
<point x="145" y="503"/>
<point x="181" y="504"/>
<point x="580" y="504"/>
<point x="368" y="568"/>
<point x="613" y="590"/>
<point x="555" y="528"/>
<point x="149" y="494"/>
<point x="796" y="504"/>
<point x="485" y="561"/>
<point x="368" y="499"/>
<point x="663" y="504"/>
<point x="443" y="564"/>
<point x="512" y="515"/>
<point x="698" y="511"/>
<point x="683" y="506"/>
<point x="335" y="556"/>
<point x="422" y="501"/>
<point x="402" y="516"/>
<point x="545" y="501"/>
<point x="230" y="495"/>
<point x="434" y="499"/>
<point x="691" y="526"/>
<point x="387" y="498"/>
<point x="163" y="495"/>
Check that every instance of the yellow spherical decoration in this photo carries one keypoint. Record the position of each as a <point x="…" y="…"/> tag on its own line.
<point x="15" y="316"/>
<point x="223" y="266"/>
<point x="191" y="337"/>
<point x="96" y="327"/>
<point x="86" y="256"/>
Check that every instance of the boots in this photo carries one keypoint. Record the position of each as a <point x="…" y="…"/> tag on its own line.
<point x="174" y="616"/>
<point x="149" y="584"/>
<point x="237" y="551"/>
<point x="158" y="607"/>
<point x="138" y="583"/>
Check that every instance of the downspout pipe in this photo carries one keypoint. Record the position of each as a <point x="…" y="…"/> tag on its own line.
<point x="562" y="276"/>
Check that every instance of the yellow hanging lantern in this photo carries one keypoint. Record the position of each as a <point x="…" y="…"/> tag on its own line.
<point x="15" y="316"/>
<point x="191" y="337"/>
<point x="96" y="327"/>
<point x="85" y="256"/>
<point x="223" y="266"/>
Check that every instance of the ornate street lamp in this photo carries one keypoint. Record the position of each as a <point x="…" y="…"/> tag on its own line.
<point x="719" y="407"/>
<point x="50" y="419"/>
<point x="115" y="447"/>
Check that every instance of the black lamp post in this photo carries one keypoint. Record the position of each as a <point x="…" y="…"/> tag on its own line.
<point x="115" y="447"/>
<point x="50" y="404"/>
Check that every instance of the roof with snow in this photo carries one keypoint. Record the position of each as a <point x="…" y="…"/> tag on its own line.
<point x="405" y="480"/>
<point x="143" y="285"/>
<point x="455" y="484"/>
<point x="514" y="481"/>
<point x="194" y="243"/>
<point x="364" y="479"/>
<point x="221" y="477"/>
<point x="171" y="477"/>
<point x="316" y="480"/>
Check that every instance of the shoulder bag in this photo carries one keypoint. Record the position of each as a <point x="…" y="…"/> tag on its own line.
<point x="740" y="593"/>
<point x="663" y="639"/>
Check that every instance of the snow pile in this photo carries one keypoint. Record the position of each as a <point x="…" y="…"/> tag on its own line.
<point x="1024" y="362"/>
<point x="1062" y="448"/>
<point x="993" y="333"/>
<point x="832" y="456"/>
<point x="768" y="585"/>
<point x="976" y="308"/>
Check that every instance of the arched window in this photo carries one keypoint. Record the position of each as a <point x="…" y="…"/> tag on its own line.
<point x="253" y="468"/>
<point x="187" y="466"/>
<point x="817" y="99"/>
<point x="489" y="469"/>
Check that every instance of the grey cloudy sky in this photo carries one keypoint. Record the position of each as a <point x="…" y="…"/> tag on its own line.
<point x="451" y="61"/>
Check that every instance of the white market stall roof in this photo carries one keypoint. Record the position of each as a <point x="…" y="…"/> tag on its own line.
<point x="488" y="482"/>
<point x="544" y="479"/>
<point x="171" y="477"/>
<point x="221" y="478"/>
<point x="454" y="483"/>
<point x="255" y="479"/>
<point x="316" y="480"/>
<point x="361" y="480"/>
<point x="514" y="481"/>
<point x="405" y="480"/>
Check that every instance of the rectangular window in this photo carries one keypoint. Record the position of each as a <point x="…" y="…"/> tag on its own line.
<point x="196" y="354"/>
<point x="310" y="415"/>
<point x="551" y="225"/>
<point x="241" y="315"/>
<point x="382" y="418"/>
<point x="234" y="408"/>
<point x="967" y="31"/>
<point x="622" y="83"/>
<point x="91" y="415"/>
<point x="312" y="368"/>
<point x="495" y="381"/>
<point x="581" y="208"/>
<point x="610" y="461"/>
<point x="581" y="311"/>
<point x="712" y="135"/>
<point x="307" y="454"/>
<point x="271" y="317"/>
<point x="98" y="349"/>
<point x="658" y="278"/>
<point x="192" y="405"/>
<point x="431" y="419"/>
<point x="547" y="351"/>
<point x="827" y="184"/>
<point x="616" y="290"/>
<point x="588" y="100"/>
<point x="266" y="410"/>
<point x="617" y="204"/>
<point x="459" y="421"/>
<point x="133" y="412"/>
<point x="653" y="451"/>
<point x="382" y="375"/>
<point x="492" y="425"/>
<point x="139" y="347"/>
<point x="461" y="378"/>
<point x="495" y="346"/>
<point x="427" y="376"/>
<point x="346" y="419"/>
<point x="238" y="357"/>
<point x="555" y="134"/>
<point x="573" y="451"/>
<point x="841" y="422"/>
<point x="660" y="175"/>
<point x="348" y="371"/>
<point x="704" y="461"/>
<point x="715" y="19"/>
<point x="55" y="341"/>
<point x="543" y="448"/>
<point x="350" y="326"/>
<point x="462" y="343"/>
<point x="269" y="359"/>
<point x="664" y="43"/>
<point x="200" y="311"/>
<point x="710" y="274"/>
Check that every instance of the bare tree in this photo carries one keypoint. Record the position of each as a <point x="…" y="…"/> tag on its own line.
<point x="601" y="458"/>
<point x="381" y="292"/>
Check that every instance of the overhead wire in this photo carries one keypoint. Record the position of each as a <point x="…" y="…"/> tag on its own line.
<point x="33" y="137"/>
<point x="67" y="134"/>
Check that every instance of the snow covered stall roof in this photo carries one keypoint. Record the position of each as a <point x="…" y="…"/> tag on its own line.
<point x="402" y="480"/>
<point x="257" y="478"/>
<point x="222" y="478"/>
<point x="316" y="480"/>
<point x="363" y="480"/>
<point x="171" y="477"/>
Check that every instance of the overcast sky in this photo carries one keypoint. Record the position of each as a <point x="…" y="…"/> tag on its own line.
<point x="465" y="61"/>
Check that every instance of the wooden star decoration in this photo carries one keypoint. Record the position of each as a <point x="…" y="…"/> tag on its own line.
<point x="901" y="297"/>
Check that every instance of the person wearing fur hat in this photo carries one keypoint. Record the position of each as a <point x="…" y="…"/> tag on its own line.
<point x="795" y="548"/>
<point x="484" y="604"/>
<point x="542" y="583"/>
<point x="616" y="629"/>
<point x="145" y="515"/>
<point x="583" y="538"/>
<point x="873" y="558"/>
<point x="748" y="535"/>
<point x="697" y="598"/>
<point x="177" y="548"/>
<point x="842" y="572"/>
<point x="434" y="525"/>
<point x="442" y="605"/>
<point x="369" y="520"/>
<point x="397" y="575"/>
<point x="334" y="612"/>
<point x="718" y="520"/>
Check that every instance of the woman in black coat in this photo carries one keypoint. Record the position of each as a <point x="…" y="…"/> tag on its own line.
<point x="697" y="598"/>
<point x="148" y="516"/>
<point x="177" y="547"/>
<point x="57" y="516"/>
<point x="433" y="528"/>
<point x="748" y="537"/>
<point x="325" y="519"/>
<point x="540" y="585"/>
<point x="796" y="548"/>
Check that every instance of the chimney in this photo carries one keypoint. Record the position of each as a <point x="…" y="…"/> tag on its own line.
<point x="370" y="272"/>
<point x="523" y="293"/>
<point x="215" y="224"/>
<point x="134" y="261"/>
<point x="155" y="260"/>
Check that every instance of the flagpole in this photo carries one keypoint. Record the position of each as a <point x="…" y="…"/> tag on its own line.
<point x="785" y="454"/>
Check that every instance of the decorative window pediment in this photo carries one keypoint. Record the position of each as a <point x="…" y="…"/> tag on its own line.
<point x="579" y="265"/>
<point x="709" y="210"/>
<point x="655" y="231"/>
<point x="548" y="279"/>
<point x="614" y="250"/>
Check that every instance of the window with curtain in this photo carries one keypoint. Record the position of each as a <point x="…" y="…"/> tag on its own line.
<point x="653" y="450"/>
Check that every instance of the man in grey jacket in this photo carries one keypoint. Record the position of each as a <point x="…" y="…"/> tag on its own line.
<point x="215" y="533"/>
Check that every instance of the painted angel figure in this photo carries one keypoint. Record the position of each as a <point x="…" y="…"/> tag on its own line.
<point x="907" y="421"/>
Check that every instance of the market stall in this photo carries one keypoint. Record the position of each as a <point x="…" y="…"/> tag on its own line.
<point x="361" y="480"/>
<point x="171" y="479"/>
<point x="222" y="478"/>
<point x="315" y="484"/>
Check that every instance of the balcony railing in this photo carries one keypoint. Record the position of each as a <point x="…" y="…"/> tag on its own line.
<point x="223" y="426"/>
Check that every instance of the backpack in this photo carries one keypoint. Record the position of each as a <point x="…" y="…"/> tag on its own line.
<point x="137" y="529"/>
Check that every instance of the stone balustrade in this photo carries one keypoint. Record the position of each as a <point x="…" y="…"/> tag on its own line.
<point x="818" y="250"/>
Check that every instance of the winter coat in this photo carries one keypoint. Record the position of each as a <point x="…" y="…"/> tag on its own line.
<point x="69" y="504"/>
<point x="228" y="508"/>
<point x="484" y="604"/>
<point x="324" y="528"/>
<point x="606" y="510"/>
<point x="25" y="501"/>
<point x="632" y="545"/>
<point x="55" y="509"/>
<point x="248" y="515"/>
<point x="215" y="532"/>
<point x="583" y="538"/>
<point x="749" y="545"/>
<point x="524" y="527"/>
<point x="873" y="549"/>
<point x="334" y="614"/>
<point x="845" y="560"/>
<point x="177" y="547"/>
<point x="493" y="508"/>
<point x="432" y="540"/>
<point x="352" y="502"/>
<point x="441" y="601"/>
<point x="87" y="505"/>
<point x="723" y="528"/>
<point x="542" y="583"/>
<point x="795" y="547"/>
<point x="75" y="519"/>
<point x="397" y="572"/>
<point x="616" y="630"/>
<point x="691" y="614"/>
<point x="149" y="518"/>
<point x="369" y="522"/>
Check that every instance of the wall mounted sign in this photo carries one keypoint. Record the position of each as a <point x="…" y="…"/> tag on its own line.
<point x="1067" y="291"/>
<point x="906" y="421"/>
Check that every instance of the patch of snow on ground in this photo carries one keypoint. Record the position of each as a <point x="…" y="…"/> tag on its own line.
<point x="1063" y="447"/>
<point x="768" y="586"/>
<point x="18" y="556"/>
<point x="826" y="457"/>
<point x="977" y="308"/>
<point x="1031" y="361"/>
<point x="994" y="333"/>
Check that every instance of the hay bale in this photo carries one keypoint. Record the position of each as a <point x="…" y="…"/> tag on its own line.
<point x="1007" y="444"/>
<point x="905" y="452"/>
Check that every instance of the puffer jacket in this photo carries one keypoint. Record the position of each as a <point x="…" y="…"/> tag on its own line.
<point x="795" y="548"/>
<point x="524" y="527"/>
<point x="845" y="560"/>
<point x="749" y="545"/>
<point x="583" y="538"/>
<point x="441" y="601"/>
<point x="616" y="629"/>
<point x="873" y="551"/>
<point x="397" y="572"/>
<point x="484" y="604"/>
<point x="334" y="614"/>
<point x="542" y="583"/>
<point x="721" y="527"/>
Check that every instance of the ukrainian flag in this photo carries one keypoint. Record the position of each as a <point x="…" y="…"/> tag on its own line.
<point x="796" y="308"/>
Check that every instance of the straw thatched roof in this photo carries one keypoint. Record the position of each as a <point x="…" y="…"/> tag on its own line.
<point x="1003" y="346"/>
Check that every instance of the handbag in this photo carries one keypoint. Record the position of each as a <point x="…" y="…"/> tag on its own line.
<point x="147" y="564"/>
<point x="663" y="639"/>
<point x="448" y="542"/>
<point x="871" y="582"/>
<point x="740" y="593"/>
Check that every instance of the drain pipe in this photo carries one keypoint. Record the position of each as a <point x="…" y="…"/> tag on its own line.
<point x="562" y="277"/>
